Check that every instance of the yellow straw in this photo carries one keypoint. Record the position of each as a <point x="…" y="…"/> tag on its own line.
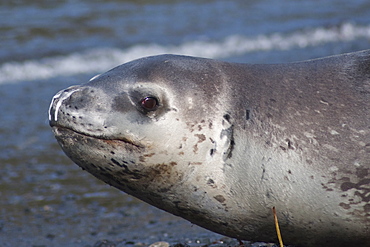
<point x="277" y="227"/>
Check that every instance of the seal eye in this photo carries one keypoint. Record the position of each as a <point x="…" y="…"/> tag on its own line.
<point x="149" y="103"/>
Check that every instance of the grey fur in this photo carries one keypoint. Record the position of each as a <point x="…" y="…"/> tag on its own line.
<point x="228" y="142"/>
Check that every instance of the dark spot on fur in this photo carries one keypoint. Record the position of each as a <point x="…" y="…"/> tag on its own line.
<point x="263" y="172"/>
<point x="118" y="164"/>
<point x="220" y="198"/>
<point x="326" y="187"/>
<point x="290" y="144"/>
<point x="344" y="205"/>
<point x="282" y="148"/>
<point x="201" y="137"/>
<point x="210" y="181"/>
<point x="362" y="172"/>
<point x="227" y="117"/>
<point x="347" y="186"/>
<point x="268" y="194"/>
<point x="362" y="189"/>
<point x="367" y="208"/>
<point x="212" y="151"/>
<point x="247" y="114"/>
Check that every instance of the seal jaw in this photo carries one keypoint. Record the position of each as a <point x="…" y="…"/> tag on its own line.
<point x="64" y="132"/>
<point x="111" y="160"/>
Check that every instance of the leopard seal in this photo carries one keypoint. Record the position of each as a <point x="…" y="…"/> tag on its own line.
<point x="220" y="144"/>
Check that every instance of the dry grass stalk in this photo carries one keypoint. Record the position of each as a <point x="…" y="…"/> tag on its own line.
<point x="277" y="227"/>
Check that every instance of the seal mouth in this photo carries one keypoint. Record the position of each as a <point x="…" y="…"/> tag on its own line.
<point x="60" y="132"/>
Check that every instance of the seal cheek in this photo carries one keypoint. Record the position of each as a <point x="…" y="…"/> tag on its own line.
<point x="122" y="103"/>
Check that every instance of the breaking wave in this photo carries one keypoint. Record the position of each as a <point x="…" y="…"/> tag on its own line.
<point x="102" y="59"/>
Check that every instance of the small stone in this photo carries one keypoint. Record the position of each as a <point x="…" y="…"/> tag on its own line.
<point x="160" y="244"/>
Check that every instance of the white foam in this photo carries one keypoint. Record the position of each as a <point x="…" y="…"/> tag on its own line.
<point x="100" y="60"/>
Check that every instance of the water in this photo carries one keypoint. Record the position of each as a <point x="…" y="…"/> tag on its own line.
<point x="48" y="45"/>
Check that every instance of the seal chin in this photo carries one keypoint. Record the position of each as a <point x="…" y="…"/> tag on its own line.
<point x="110" y="160"/>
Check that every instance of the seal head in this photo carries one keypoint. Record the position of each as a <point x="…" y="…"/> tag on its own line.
<point x="220" y="144"/>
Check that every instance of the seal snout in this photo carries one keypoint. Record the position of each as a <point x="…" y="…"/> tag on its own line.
<point x="83" y="109"/>
<point x="57" y="102"/>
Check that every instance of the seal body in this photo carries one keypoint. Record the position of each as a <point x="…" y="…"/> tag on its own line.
<point x="220" y="144"/>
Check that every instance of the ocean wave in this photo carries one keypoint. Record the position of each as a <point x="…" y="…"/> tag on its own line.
<point x="102" y="59"/>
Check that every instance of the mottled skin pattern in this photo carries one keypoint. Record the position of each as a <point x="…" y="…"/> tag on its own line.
<point x="227" y="142"/>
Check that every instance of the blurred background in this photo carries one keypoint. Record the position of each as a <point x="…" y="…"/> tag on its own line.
<point x="47" y="45"/>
